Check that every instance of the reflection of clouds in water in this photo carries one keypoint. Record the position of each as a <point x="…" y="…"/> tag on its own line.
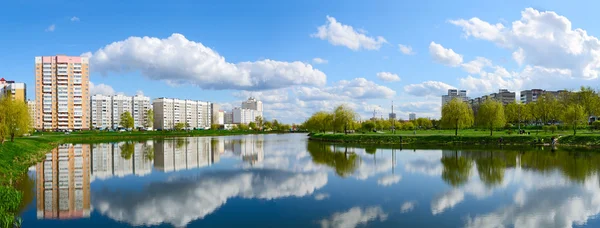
<point x="389" y="180"/>
<point x="408" y="206"/>
<point x="559" y="206"/>
<point x="371" y="165"/>
<point x="354" y="217"/>
<point x="181" y="201"/>
<point x="321" y="196"/>
<point x="447" y="200"/>
<point x="423" y="166"/>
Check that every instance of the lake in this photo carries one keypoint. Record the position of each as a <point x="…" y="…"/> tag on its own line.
<point x="286" y="181"/>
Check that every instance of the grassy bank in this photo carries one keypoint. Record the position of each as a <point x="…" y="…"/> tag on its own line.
<point x="579" y="140"/>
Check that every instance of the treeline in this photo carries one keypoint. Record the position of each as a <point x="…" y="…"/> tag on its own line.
<point x="15" y="120"/>
<point x="565" y="109"/>
<point x="344" y="119"/>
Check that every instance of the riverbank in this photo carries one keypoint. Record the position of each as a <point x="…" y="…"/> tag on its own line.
<point x="441" y="140"/>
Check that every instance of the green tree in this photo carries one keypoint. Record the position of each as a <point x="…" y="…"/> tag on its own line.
<point x="243" y="127"/>
<point x="596" y="124"/>
<point x="15" y="119"/>
<point x="456" y="114"/>
<point x="215" y="126"/>
<point x="344" y="163"/>
<point x="408" y="126"/>
<point x="512" y="113"/>
<point x="267" y="125"/>
<point x="589" y="100"/>
<point x="491" y="169"/>
<point x="457" y="169"/>
<point x="127" y="150"/>
<point x="275" y="125"/>
<point x="252" y="126"/>
<point x="179" y="126"/>
<point x="343" y="118"/>
<point x="126" y="120"/>
<point x="259" y="122"/>
<point x="368" y="125"/>
<point x="318" y="122"/>
<point x="424" y="123"/>
<point x="575" y="116"/>
<point x="149" y="118"/>
<point x="491" y="115"/>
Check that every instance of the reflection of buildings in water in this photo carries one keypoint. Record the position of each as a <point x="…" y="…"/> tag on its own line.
<point x="183" y="153"/>
<point x="63" y="183"/>
<point x="250" y="148"/>
<point x="108" y="161"/>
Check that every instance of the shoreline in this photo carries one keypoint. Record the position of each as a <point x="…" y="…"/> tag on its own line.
<point x="449" y="140"/>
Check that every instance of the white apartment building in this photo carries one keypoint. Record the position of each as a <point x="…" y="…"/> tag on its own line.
<point x="244" y="116"/>
<point x="140" y="107"/>
<point x="169" y="112"/>
<point x="228" y="117"/>
<point x="220" y="119"/>
<point x="32" y="112"/>
<point x="101" y="111"/>
<point x="253" y="104"/>
<point x="412" y="116"/>
<point x="120" y="105"/>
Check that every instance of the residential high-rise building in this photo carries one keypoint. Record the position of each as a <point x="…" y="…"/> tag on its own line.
<point x="140" y="107"/>
<point x="17" y="90"/>
<point x="528" y="96"/>
<point x="120" y="105"/>
<point x="412" y="116"/>
<point x="61" y="92"/>
<point x="253" y="104"/>
<point x="504" y="96"/>
<point x="228" y="117"/>
<point x="454" y="93"/>
<point x="101" y="112"/>
<point x="244" y="116"/>
<point x="220" y="120"/>
<point x="32" y="114"/>
<point x="169" y="112"/>
<point x="216" y="108"/>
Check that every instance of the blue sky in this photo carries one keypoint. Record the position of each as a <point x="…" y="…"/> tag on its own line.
<point x="224" y="51"/>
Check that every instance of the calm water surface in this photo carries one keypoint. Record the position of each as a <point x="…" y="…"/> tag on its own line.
<point x="286" y="181"/>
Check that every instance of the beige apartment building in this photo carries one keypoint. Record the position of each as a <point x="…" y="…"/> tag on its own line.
<point x="61" y="92"/>
<point x="17" y="90"/>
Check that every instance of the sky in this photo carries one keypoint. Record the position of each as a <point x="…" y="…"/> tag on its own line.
<point x="300" y="57"/>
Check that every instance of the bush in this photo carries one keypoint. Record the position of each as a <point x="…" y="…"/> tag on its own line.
<point x="552" y="128"/>
<point x="546" y="128"/>
<point x="596" y="125"/>
<point x="508" y="126"/>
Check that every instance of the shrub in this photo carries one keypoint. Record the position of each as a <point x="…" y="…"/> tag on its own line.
<point x="508" y="126"/>
<point x="552" y="128"/>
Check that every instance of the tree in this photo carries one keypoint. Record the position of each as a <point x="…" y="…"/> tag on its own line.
<point x="259" y="122"/>
<point x="267" y="125"/>
<point x="589" y="100"/>
<point x="275" y="125"/>
<point x="575" y="116"/>
<point x="596" y="124"/>
<point x="215" y="126"/>
<point x="15" y="119"/>
<point x="456" y="114"/>
<point x="179" y="126"/>
<point x="491" y="115"/>
<point x="457" y="169"/>
<point x="424" y="123"/>
<point x="126" y="120"/>
<point x="343" y="117"/>
<point x="127" y="150"/>
<point x="242" y="127"/>
<point x="318" y="122"/>
<point x="408" y="126"/>
<point x="149" y="118"/>
<point x="344" y="163"/>
<point x="511" y="113"/>
<point x="368" y="125"/>
<point x="252" y="126"/>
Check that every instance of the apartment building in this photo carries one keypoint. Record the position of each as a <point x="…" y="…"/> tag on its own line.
<point x="412" y="116"/>
<point x="169" y="112"/>
<point x="528" y="96"/>
<point x="454" y="93"/>
<point x="120" y="105"/>
<point x="17" y="90"/>
<point x="140" y="107"/>
<point x="228" y="117"/>
<point x="61" y="92"/>
<point x="244" y="116"/>
<point x="101" y="112"/>
<point x="253" y="104"/>
<point x="32" y="114"/>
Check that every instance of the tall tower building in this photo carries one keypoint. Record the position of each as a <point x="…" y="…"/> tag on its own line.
<point x="61" y="92"/>
<point x="120" y="105"/>
<point x="141" y="105"/>
<point x="101" y="114"/>
<point x="253" y="104"/>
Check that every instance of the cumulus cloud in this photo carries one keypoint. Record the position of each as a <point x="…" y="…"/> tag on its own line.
<point x="51" y="28"/>
<point x="477" y="65"/>
<point x="268" y="96"/>
<point x="74" y="19"/>
<point x="321" y="196"/>
<point x="444" y="56"/>
<point x="445" y="201"/>
<point x="177" y="60"/>
<point x="354" y="217"/>
<point x="358" y="88"/>
<point x="408" y="206"/>
<point x="101" y="89"/>
<point x="542" y="39"/>
<point x="319" y="61"/>
<point x="388" y="180"/>
<point x="405" y="49"/>
<point x="181" y="201"/>
<point x="388" y="77"/>
<point x="428" y="88"/>
<point x="339" y="34"/>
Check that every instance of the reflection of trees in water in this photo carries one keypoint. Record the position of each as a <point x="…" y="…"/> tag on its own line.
<point x="180" y="142"/>
<point x="344" y="163"/>
<point x="148" y="152"/>
<point x="27" y="186"/>
<point x="491" y="169"/>
<point x="457" y="169"/>
<point x="127" y="150"/>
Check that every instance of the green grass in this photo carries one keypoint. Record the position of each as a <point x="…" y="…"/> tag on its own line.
<point x="481" y="132"/>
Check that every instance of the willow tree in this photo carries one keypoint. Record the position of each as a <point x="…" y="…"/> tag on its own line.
<point x="491" y="115"/>
<point x="343" y="118"/>
<point x="456" y="114"/>
<point x="575" y="116"/>
<point x="14" y="118"/>
<point x="126" y="120"/>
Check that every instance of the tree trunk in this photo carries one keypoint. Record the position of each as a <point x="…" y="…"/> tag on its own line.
<point x="12" y="137"/>
<point x="574" y="129"/>
<point x="491" y="131"/>
<point x="456" y="129"/>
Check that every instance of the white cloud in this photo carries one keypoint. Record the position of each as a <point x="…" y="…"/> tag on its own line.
<point x="339" y="34"/>
<point x="267" y="97"/>
<point x="405" y="49"/>
<point x="177" y="60"/>
<point x="477" y="65"/>
<point x="388" y="180"/>
<point x="51" y="28"/>
<point x="358" y="88"/>
<point x="179" y="202"/>
<point x="388" y="77"/>
<point x="101" y="89"/>
<point x="354" y="217"/>
<point x="321" y="196"/>
<point x="546" y="39"/>
<point x="408" y="206"/>
<point x="445" y="201"/>
<point x="74" y="19"/>
<point x="428" y="88"/>
<point x="444" y="56"/>
<point x="320" y="61"/>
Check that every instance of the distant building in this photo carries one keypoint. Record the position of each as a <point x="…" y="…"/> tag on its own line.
<point x="140" y="107"/>
<point x="216" y="108"/>
<point x="503" y="95"/>
<point x="32" y="114"/>
<point x="528" y="96"/>
<point x="17" y="90"/>
<point x="220" y="119"/>
<point x="412" y="116"/>
<point x="228" y="117"/>
<point x="244" y="116"/>
<point x="253" y="104"/>
<point x="169" y="112"/>
<point x="120" y="105"/>
<point x="454" y="93"/>
<point x="392" y="116"/>
<point x="106" y="111"/>
<point x="101" y="112"/>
